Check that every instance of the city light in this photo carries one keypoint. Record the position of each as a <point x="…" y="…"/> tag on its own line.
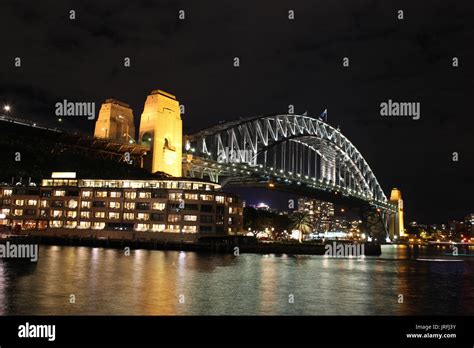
<point x="7" y="108"/>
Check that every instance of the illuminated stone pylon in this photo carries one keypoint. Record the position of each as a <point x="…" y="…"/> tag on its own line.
<point x="396" y="227"/>
<point x="161" y="131"/>
<point x="115" y="122"/>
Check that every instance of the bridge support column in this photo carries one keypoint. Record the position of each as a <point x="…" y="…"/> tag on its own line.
<point x="396" y="225"/>
<point x="161" y="131"/>
<point x="374" y="223"/>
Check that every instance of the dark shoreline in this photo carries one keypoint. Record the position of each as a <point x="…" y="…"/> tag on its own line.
<point x="226" y="247"/>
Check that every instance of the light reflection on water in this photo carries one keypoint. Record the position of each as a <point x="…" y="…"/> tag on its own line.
<point x="105" y="281"/>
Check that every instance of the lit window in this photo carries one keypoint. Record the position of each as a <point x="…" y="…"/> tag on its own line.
<point x="158" y="227"/>
<point x="72" y="203"/>
<point x="144" y="195"/>
<point x="7" y="193"/>
<point x="189" y="229"/>
<point x="206" y="197"/>
<point x="129" y="205"/>
<point x="191" y="196"/>
<point x="56" y="223"/>
<point x="114" y="216"/>
<point x="32" y="202"/>
<point x="190" y="217"/>
<point x="173" y="218"/>
<point x="86" y="204"/>
<point x="59" y="193"/>
<point x="128" y="216"/>
<point x="18" y="212"/>
<point x="143" y="216"/>
<point x="130" y="195"/>
<point x="70" y="224"/>
<point x="85" y="214"/>
<point x="101" y="194"/>
<point x="114" y="205"/>
<point x="173" y="228"/>
<point x="141" y="227"/>
<point x="71" y="214"/>
<point x="158" y="206"/>
<point x="220" y="199"/>
<point x="99" y="214"/>
<point x="230" y="199"/>
<point x="56" y="213"/>
<point x="175" y="196"/>
<point x="115" y="194"/>
<point x="98" y="225"/>
<point x="44" y="204"/>
<point x="84" y="224"/>
<point x="19" y="202"/>
<point x="86" y="194"/>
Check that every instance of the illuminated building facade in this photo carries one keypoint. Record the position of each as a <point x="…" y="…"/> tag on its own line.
<point x="321" y="213"/>
<point x="84" y="206"/>
<point x="469" y="223"/>
<point x="115" y="122"/>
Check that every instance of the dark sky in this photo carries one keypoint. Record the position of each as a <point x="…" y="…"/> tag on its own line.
<point x="283" y="62"/>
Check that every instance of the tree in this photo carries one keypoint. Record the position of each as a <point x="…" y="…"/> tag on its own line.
<point x="302" y="223"/>
<point x="256" y="220"/>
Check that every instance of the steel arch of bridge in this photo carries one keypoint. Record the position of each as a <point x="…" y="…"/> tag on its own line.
<point x="291" y="148"/>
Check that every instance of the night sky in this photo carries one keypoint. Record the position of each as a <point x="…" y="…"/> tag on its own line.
<point x="282" y="62"/>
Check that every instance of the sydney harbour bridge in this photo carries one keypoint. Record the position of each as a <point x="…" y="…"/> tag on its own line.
<point x="294" y="153"/>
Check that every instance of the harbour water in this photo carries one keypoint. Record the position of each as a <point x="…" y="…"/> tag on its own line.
<point x="96" y="281"/>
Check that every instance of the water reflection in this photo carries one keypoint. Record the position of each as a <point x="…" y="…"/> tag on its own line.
<point x="107" y="281"/>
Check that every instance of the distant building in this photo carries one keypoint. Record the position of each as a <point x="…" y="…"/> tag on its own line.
<point x="469" y="224"/>
<point x="456" y="228"/>
<point x="321" y="213"/>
